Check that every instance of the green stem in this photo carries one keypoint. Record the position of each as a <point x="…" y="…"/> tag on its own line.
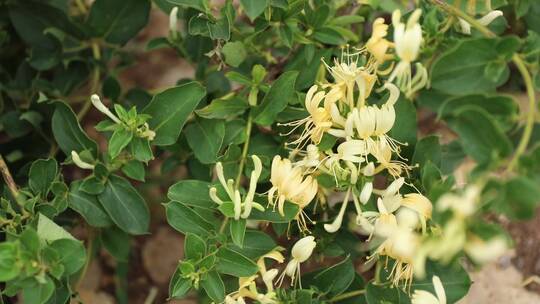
<point x="520" y="64"/>
<point x="243" y="158"/>
<point x="8" y="179"/>
<point x="89" y="256"/>
<point x="347" y="295"/>
<point x="94" y="83"/>
<point x="531" y="112"/>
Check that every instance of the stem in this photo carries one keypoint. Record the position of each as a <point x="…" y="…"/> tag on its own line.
<point x="347" y="295"/>
<point x="520" y="64"/>
<point x="8" y="179"/>
<point x="96" y="52"/>
<point x="81" y="6"/>
<point x="89" y="255"/>
<point x="241" y="165"/>
<point x="531" y="111"/>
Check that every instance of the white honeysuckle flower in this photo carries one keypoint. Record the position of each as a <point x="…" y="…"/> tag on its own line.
<point x="290" y="184"/>
<point x="303" y="248"/>
<point x="268" y="279"/>
<point x="465" y="27"/>
<point x="394" y="187"/>
<point x="354" y="150"/>
<point x="464" y="204"/>
<point x="365" y="194"/>
<point x="407" y="37"/>
<point x="407" y="218"/>
<point x="424" y="297"/>
<point x="336" y="224"/>
<point x="79" y="162"/>
<point x="386" y="222"/>
<point x="407" y="40"/>
<point x="241" y="209"/>
<point x="300" y="252"/>
<point x="254" y="178"/>
<point x="96" y="101"/>
<point x="482" y="252"/>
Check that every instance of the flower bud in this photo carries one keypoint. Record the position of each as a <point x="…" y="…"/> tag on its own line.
<point x="365" y="194"/>
<point x="79" y="162"/>
<point x="173" y="18"/>
<point x="369" y="169"/>
<point x="394" y="187"/>
<point x="96" y="101"/>
<point x="303" y="248"/>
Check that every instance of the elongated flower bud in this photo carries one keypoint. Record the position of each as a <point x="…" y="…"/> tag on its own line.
<point x="268" y="279"/>
<point x="79" y="162"/>
<point x="96" y="101"/>
<point x="366" y="192"/>
<point x="394" y="186"/>
<point x="173" y="18"/>
<point x="255" y="174"/>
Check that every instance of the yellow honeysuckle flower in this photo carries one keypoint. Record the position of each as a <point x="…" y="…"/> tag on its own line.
<point x="289" y="183"/>
<point x="420" y="204"/>
<point x="482" y="252"/>
<point x="424" y="297"/>
<point x="377" y="45"/>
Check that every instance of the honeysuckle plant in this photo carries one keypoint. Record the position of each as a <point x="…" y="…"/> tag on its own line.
<point x="311" y="157"/>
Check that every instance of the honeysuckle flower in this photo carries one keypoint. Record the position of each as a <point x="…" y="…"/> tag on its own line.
<point x="319" y="120"/>
<point x="79" y="162"/>
<point x="377" y="45"/>
<point x="420" y="204"/>
<point x="290" y="184"/>
<point x="241" y="209"/>
<point x="482" y="252"/>
<point x="145" y="132"/>
<point x="336" y="224"/>
<point x="465" y="27"/>
<point x="407" y="42"/>
<point x="462" y="205"/>
<point x="96" y="101"/>
<point x="231" y="300"/>
<point x="424" y="297"/>
<point x="300" y="252"/>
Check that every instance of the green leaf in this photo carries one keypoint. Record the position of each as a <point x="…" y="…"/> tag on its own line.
<point x="238" y="231"/>
<point x="223" y="108"/>
<point x="125" y="205"/>
<point x="205" y="137"/>
<point x="290" y="211"/>
<point x="72" y="254"/>
<point x="118" y="141"/>
<point x="234" y="263"/>
<point x="170" y="109"/>
<point x="328" y="35"/>
<point x="256" y="244"/>
<point x="454" y="278"/>
<point x="87" y="206"/>
<point x="67" y="131"/>
<point x="337" y="278"/>
<point x="192" y="193"/>
<point x="194" y="247"/>
<point x="42" y="174"/>
<point x="213" y="285"/>
<point x="480" y="135"/>
<point x="460" y="70"/>
<point x="50" y="231"/>
<point x="9" y="268"/>
<point x="427" y="149"/>
<point x="385" y="294"/>
<point x="235" y="53"/>
<point x="502" y="107"/>
<point x="134" y="169"/>
<point x="117" y="243"/>
<point x="185" y="220"/>
<point x="404" y="129"/>
<point x="38" y="293"/>
<point x="118" y="21"/>
<point x="254" y="8"/>
<point x="275" y="101"/>
<point x="179" y="286"/>
<point x="519" y="198"/>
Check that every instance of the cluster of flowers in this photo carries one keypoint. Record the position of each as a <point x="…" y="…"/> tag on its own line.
<point x="397" y="226"/>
